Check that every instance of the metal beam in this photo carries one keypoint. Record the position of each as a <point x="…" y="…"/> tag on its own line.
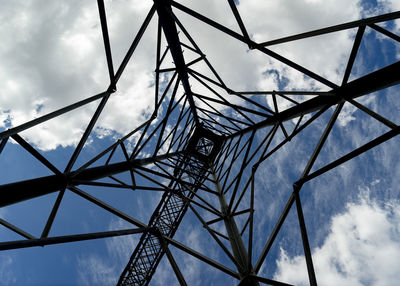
<point x="29" y="189"/>
<point x="175" y="267"/>
<point x="107" y="207"/>
<point x="336" y="28"/>
<point x="373" y="114"/>
<point x="254" y="45"/>
<point x="171" y="34"/>
<point x="16" y="229"/>
<point x="304" y="238"/>
<point x="134" y="44"/>
<point x="3" y="144"/>
<point x="353" y="54"/>
<point x="238" y="248"/>
<point x="377" y="80"/>
<point x="106" y="40"/>
<point x="67" y="238"/>
<point x="269" y="281"/>
<point x="87" y="132"/>
<point x="44" y="118"/>
<point x="35" y="153"/>
<point x="373" y="143"/>
<point x="239" y="20"/>
<point x="203" y="258"/>
<point x="385" y="32"/>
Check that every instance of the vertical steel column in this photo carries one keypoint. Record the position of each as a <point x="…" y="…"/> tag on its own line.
<point x="167" y="22"/>
<point x="238" y="248"/>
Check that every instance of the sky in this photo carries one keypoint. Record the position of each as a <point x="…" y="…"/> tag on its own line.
<point x="53" y="55"/>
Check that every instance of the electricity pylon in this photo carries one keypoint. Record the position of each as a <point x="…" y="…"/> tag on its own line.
<point x="202" y="148"/>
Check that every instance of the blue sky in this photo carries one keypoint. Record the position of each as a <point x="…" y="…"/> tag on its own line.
<point x="352" y="213"/>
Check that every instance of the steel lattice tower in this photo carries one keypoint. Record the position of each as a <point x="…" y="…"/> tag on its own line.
<point x="206" y="148"/>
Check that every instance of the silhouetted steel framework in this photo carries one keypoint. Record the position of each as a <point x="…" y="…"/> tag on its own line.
<point x="202" y="143"/>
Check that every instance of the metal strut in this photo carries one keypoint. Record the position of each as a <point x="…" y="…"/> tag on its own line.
<point x="190" y="172"/>
<point x="238" y="248"/>
<point x="198" y="149"/>
<point x="171" y="34"/>
<point x="24" y="190"/>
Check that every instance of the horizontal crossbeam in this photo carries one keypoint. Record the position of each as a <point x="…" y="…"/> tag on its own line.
<point x="66" y="238"/>
<point x="29" y="189"/>
<point x="377" y="80"/>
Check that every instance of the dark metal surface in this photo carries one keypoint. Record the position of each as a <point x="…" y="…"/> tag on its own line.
<point x="32" y="241"/>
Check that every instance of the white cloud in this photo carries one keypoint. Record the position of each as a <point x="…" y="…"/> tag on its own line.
<point x="164" y="274"/>
<point x="53" y="55"/>
<point x="50" y="61"/>
<point x="94" y="270"/>
<point x="121" y="248"/>
<point x="346" y="114"/>
<point x="191" y="265"/>
<point x="100" y="269"/>
<point x="7" y="275"/>
<point x="325" y="55"/>
<point x="362" y="248"/>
